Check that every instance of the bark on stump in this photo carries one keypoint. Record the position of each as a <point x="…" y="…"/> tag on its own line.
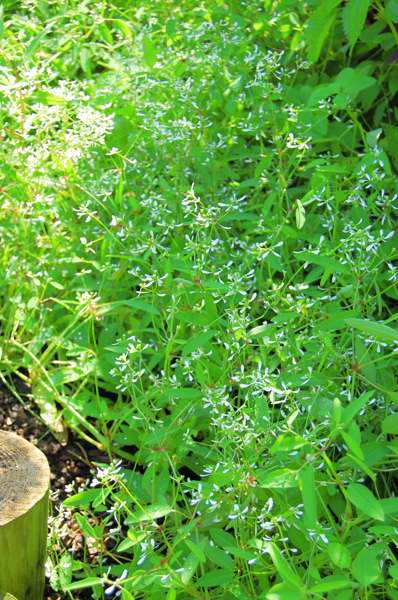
<point x="24" y="488"/>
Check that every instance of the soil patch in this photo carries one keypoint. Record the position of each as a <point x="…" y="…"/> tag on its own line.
<point x="70" y="466"/>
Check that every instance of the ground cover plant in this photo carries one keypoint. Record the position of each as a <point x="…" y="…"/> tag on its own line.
<point x="199" y="280"/>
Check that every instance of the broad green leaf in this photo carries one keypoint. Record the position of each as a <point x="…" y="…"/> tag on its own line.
<point x="354" y="17"/>
<point x="189" y="568"/>
<point x="318" y="27"/>
<point x="149" y="513"/>
<point x="82" y="499"/>
<point x="85" y="61"/>
<point x="136" y="537"/>
<point x="149" y="52"/>
<point x="85" y="525"/>
<point x="278" y="478"/>
<point x="391" y="10"/>
<point x="308" y="493"/>
<point x="364" y="360"/>
<point x="216" y="578"/>
<point x="390" y="506"/>
<point x="125" y="545"/>
<point x="198" y="341"/>
<point x="287" y="443"/>
<point x="171" y="594"/>
<point x="222" y="538"/>
<point x="132" y="303"/>
<point x="259" y="330"/>
<point x="393" y="571"/>
<point x="363" y="499"/>
<point x="352" y="445"/>
<point x="374" y="329"/>
<point x="241" y="553"/>
<point x="339" y="555"/>
<point x="83" y="583"/>
<point x="331" y="583"/>
<point x="362" y="465"/>
<point x="355" y="406"/>
<point x="282" y="566"/>
<point x="390" y="424"/>
<point x="353" y="81"/>
<point x="284" y="591"/>
<point x="373" y="136"/>
<point x="366" y="567"/>
<point x="326" y="262"/>
<point x="219" y="557"/>
<point x="196" y="549"/>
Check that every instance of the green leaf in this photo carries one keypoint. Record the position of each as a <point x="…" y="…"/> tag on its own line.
<point x="328" y="263"/>
<point x="363" y="499"/>
<point x="84" y="583"/>
<point x="287" y="443"/>
<point x="216" y="578"/>
<point x="149" y="52"/>
<point x="308" y="492"/>
<point x="125" y="545"/>
<point x="331" y="583"/>
<point x="136" y="537"/>
<point x="393" y="571"/>
<point x="355" y="406"/>
<point x="374" y="329"/>
<point x="318" y="28"/>
<point x="284" y="591"/>
<point x="198" y="341"/>
<point x="82" y="499"/>
<point x="365" y="360"/>
<point x="222" y="538"/>
<point x="189" y="567"/>
<point x="196" y="549"/>
<point x="132" y="303"/>
<point x="150" y="513"/>
<point x="171" y="594"/>
<point x="366" y="567"/>
<point x="354" y="18"/>
<point x="352" y="445"/>
<point x="278" y="478"/>
<point x="219" y="557"/>
<point x="241" y="553"/>
<point x="282" y="566"/>
<point x="300" y="215"/>
<point x="85" y="61"/>
<point x="390" y="424"/>
<point x="339" y="555"/>
<point x="351" y="82"/>
<point x="391" y="10"/>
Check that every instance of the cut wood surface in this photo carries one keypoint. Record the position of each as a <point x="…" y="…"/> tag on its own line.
<point x="24" y="487"/>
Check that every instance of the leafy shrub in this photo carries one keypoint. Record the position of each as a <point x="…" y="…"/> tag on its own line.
<point x="199" y="278"/>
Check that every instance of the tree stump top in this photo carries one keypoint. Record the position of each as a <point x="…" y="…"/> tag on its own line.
<point x="24" y="476"/>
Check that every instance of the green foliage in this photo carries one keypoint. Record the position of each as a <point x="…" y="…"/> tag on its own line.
<point x="199" y="246"/>
<point x="354" y="18"/>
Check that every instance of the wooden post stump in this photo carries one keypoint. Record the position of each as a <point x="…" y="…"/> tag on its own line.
<point x="24" y="488"/>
